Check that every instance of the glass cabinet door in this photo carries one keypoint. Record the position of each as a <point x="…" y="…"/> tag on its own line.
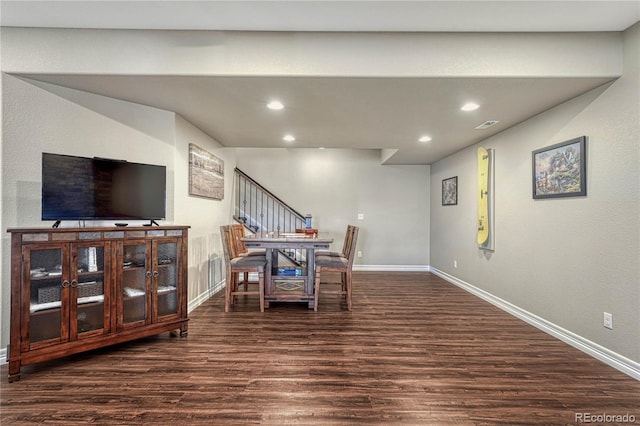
<point x="166" y="278"/>
<point x="88" y="290"/>
<point x="47" y="283"/>
<point x="134" y="284"/>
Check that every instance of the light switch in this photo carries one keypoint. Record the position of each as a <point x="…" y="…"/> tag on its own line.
<point x="360" y="216"/>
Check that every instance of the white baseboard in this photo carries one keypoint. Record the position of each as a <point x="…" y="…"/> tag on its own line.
<point x="601" y="353"/>
<point x="391" y="268"/>
<point x="203" y="297"/>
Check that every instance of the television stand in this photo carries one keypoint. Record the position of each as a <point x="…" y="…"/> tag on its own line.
<point x="137" y="289"/>
<point x="151" y="223"/>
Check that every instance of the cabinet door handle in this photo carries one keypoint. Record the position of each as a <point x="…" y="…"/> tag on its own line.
<point x="148" y="274"/>
<point x="65" y="284"/>
<point x="155" y="274"/>
<point x="74" y="284"/>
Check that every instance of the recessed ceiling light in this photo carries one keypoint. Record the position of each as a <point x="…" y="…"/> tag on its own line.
<point x="470" y="106"/>
<point x="288" y="138"/>
<point x="321" y="147"/>
<point x="275" y="105"/>
<point x="425" y="138"/>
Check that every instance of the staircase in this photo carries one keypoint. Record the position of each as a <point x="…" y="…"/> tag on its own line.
<point x="261" y="211"/>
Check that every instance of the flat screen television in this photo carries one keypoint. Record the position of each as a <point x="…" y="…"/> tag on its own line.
<point x="79" y="188"/>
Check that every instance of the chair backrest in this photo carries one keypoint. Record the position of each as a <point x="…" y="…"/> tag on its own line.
<point x="353" y="239"/>
<point x="237" y="233"/>
<point x="227" y="246"/>
<point x="347" y="240"/>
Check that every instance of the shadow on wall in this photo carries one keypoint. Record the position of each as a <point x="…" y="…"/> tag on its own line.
<point x="206" y="269"/>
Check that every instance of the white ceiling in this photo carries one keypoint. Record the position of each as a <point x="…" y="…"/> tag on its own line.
<point x="334" y="111"/>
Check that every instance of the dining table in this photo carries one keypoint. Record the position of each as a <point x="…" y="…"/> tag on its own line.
<point x="287" y="278"/>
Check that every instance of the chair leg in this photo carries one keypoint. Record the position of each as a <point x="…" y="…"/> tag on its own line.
<point x="316" y="295"/>
<point x="234" y="282"/>
<point x="234" y="288"/>
<point x="227" y="291"/>
<point x="245" y="278"/>
<point x="261" y="289"/>
<point x="348" y="284"/>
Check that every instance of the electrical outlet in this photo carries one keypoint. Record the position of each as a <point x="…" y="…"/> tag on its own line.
<point x="607" y="320"/>
<point x="360" y="216"/>
<point x="359" y="254"/>
<point x="455" y="263"/>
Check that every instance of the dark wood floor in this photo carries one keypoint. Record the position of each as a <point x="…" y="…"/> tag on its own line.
<point x="415" y="350"/>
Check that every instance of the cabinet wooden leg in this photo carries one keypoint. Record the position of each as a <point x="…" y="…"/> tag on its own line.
<point x="14" y="371"/>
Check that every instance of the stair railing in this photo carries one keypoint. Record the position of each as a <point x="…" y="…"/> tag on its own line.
<point x="262" y="211"/>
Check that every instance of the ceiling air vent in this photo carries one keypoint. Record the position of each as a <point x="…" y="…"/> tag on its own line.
<point x="487" y="124"/>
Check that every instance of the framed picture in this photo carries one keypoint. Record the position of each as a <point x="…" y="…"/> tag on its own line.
<point x="206" y="173"/>
<point x="450" y="191"/>
<point x="560" y="170"/>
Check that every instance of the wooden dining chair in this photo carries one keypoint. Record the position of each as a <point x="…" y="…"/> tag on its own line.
<point x="345" y="245"/>
<point x="239" y="265"/>
<point x="341" y="264"/>
<point x="238" y="233"/>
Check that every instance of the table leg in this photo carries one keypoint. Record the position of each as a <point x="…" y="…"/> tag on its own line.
<point x="272" y="258"/>
<point x="311" y="274"/>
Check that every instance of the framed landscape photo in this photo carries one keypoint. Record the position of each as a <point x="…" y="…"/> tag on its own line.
<point x="560" y="170"/>
<point x="206" y="173"/>
<point x="450" y="191"/>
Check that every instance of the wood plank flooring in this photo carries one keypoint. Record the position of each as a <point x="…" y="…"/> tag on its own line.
<point x="415" y="350"/>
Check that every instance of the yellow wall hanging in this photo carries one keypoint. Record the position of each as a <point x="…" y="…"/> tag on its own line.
<point x="485" y="199"/>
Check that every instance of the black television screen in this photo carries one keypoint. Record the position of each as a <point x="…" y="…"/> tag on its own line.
<point x="79" y="188"/>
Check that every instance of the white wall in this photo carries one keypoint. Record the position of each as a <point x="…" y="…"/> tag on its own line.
<point x="39" y="117"/>
<point x="564" y="260"/>
<point x="204" y="215"/>
<point x="3" y="293"/>
<point x="334" y="185"/>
